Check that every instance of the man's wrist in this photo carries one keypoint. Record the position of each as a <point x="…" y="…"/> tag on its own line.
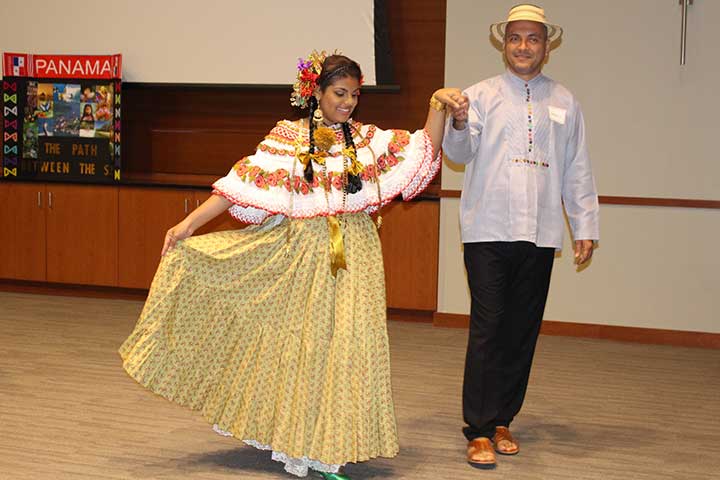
<point x="459" y="125"/>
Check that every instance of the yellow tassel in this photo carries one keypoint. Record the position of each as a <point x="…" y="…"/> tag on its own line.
<point x="337" y="247"/>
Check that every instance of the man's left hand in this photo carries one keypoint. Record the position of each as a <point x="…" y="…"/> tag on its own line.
<point x="583" y="251"/>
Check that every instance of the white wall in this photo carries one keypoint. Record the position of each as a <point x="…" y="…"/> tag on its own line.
<point x="186" y="41"/>
<point x="652" y="132"/>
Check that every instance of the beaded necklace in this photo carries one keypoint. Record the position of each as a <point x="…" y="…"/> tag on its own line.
<point x="530" y="118"/>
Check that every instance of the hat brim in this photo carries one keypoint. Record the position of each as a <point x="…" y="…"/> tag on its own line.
<point x="498" y="30"/>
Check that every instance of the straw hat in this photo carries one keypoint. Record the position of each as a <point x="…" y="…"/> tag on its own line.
<point x="528" y="12"/>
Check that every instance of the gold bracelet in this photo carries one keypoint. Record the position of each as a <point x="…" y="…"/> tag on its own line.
<point x="436" y="104"/>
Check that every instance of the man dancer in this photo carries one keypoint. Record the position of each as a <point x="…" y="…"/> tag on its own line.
<point x="522" y="139"/>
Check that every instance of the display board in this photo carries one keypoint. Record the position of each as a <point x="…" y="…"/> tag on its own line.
<point x="61" y="117"/>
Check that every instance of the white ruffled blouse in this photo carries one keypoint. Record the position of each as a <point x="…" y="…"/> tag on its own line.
<point x="271" y="181"/>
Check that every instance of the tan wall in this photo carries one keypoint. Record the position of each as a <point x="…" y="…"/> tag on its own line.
<point x="652" y="124"/>
<point x="655" y="268"/>
<point x="651" y="134"/>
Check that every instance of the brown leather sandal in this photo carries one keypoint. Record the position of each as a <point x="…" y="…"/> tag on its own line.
<point x="480" y="453"/>
<point x="502" y="434"/>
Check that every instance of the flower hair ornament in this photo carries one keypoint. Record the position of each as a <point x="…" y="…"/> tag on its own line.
<point x="308" y="72"/>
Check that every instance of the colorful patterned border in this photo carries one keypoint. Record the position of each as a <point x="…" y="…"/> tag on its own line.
<point x="10" y="129"/>
<point x="116" y="140"/>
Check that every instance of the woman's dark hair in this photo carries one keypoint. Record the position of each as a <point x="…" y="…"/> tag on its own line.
<point x="335" y="67"/>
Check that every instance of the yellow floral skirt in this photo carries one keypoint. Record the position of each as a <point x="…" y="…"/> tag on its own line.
<point x="250" y="328"/>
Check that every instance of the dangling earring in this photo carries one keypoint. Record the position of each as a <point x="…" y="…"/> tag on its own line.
<point x="318" y="117"/>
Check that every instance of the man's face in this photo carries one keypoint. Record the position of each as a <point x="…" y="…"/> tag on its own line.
<point x="526" y="48"/>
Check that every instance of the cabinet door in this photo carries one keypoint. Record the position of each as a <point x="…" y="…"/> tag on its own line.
<point x="409" y="237"/>
<point x="222" y="222"/>
<point x="82" y="234"/>
<point x="22" y="231"/>
<point x="145" y="216"/>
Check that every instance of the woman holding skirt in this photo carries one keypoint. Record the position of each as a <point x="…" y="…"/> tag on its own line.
<point x="276" y="333"/>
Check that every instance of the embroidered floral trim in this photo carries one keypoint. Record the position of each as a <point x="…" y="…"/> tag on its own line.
<point x="281" y="178"/>
<point x="531" y="162"/>
<point x="253" y="205"/>
<point x="291" y="153"/>
<point x="400" y="140"/>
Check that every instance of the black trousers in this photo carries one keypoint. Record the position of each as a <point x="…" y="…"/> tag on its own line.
<point x="509" y="283"/>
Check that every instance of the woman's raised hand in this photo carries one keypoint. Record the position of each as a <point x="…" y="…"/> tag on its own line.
<point x="457" y="104"/>
<point x="452" y="97"/>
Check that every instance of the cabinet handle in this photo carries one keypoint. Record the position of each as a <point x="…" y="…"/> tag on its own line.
<point x="39" y="199"/>
<point x="49" y="199"/>
<point x="186" y="205"/>
<point x="197" y="203"/>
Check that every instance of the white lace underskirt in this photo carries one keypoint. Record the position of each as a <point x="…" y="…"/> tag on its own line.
<point x="295" y="466"/>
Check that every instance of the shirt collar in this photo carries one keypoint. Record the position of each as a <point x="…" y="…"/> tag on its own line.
<point x="517" y="81"/>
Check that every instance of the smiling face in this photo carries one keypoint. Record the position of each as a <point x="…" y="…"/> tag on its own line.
<point x="339" y="99"/>
<point x="526" y="48"/>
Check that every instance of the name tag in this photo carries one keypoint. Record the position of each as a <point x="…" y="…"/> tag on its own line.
<point x="557" y="114"/>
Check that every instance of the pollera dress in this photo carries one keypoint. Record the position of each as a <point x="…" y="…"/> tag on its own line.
<point x="251" y="328"/>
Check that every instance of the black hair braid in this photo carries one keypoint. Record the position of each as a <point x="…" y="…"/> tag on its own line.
<point x="354" y="183"/>
<point x="308" y="173"/>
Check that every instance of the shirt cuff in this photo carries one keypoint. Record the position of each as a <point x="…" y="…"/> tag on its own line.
<point x="454" y="135"/>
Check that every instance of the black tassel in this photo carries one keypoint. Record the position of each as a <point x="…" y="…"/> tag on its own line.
<point x="354" y="183"/>
<point x="309" y="172"/>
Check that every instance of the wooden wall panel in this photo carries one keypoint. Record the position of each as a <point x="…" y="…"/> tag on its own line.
<point x="178" y="150"/>
<point x="409" y="236"/>
<point x="212" y="127"/>
<point x="417" y="38"/>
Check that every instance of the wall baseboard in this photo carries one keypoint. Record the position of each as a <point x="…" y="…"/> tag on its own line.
<point x="655" y="336"/>
<point x="70" y="290"/>
<point x="637" y="201"/>
<point x="438" y="319"/>
<point x="407" y="315"/>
